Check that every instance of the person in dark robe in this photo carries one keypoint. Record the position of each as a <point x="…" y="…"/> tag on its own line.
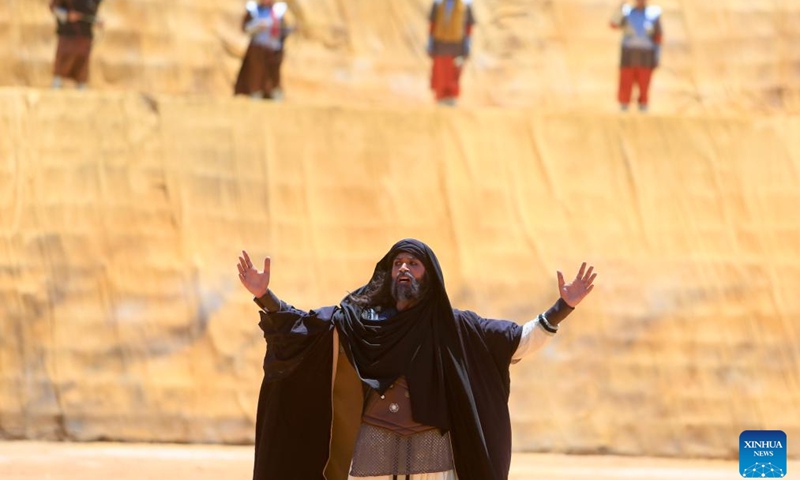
<point x="393" y="382"/>
<point x="76" y="19"/>
<point x="260" y="73"/>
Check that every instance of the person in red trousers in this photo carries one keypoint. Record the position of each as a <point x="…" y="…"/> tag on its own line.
<point x="641" y="48"/>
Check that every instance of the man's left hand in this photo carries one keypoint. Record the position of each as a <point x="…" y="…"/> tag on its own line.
<point x="575" y="291"/>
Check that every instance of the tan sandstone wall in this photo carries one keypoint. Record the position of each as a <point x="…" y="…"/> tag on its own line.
<point x="719" y="56"/>
<point x="121" y="216"/>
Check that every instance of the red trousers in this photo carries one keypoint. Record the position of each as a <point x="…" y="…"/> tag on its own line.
<point x="630" y="75"/>
<point x="445" y="76"/>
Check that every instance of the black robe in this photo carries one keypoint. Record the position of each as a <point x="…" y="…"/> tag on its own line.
<point x="293" y="424"/>
<point x="456" y="364"/>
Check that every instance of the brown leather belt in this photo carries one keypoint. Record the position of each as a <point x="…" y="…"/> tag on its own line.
<point x="392" y="410"/>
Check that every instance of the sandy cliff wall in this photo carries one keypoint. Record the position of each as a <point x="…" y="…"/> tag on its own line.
<point x="121" y="217"/>
<point x="719" y="56"/>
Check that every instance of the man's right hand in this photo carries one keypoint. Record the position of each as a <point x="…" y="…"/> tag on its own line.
<point x="74" y="16"/>
<point x="254" y="281"/>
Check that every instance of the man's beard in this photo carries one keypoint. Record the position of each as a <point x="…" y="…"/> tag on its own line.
<point x="406" y="291"/>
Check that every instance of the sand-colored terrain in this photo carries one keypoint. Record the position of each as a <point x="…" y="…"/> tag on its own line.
<point x="59" y="461"/>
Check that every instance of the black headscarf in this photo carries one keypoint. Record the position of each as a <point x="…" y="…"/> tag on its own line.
<point x="423" y="344"/>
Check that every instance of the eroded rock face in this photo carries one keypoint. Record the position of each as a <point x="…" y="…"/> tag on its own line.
<point x="720" y="56"/>
<point x="121" y="217"/>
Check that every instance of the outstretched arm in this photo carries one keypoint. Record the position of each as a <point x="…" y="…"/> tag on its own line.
<point x="572" y="293"/>
<point x="537" y="332"/>
<point x="257" y="282"/>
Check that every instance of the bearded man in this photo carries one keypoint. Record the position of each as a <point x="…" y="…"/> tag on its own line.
<point x="393" y="382"/>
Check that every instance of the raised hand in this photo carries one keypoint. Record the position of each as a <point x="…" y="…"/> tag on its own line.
<point x="574" y="292"/>
<point x="254" y="281"/>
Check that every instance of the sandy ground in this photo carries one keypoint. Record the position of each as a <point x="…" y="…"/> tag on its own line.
<point x="72" y="461"/>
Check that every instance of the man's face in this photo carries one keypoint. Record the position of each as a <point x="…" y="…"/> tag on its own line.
<point x="408" y="278"/>
<point x="641" y="3"/>
<point x="266" y="3"/>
